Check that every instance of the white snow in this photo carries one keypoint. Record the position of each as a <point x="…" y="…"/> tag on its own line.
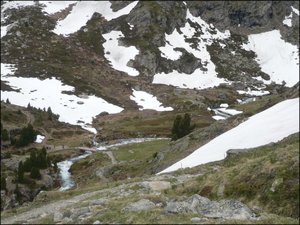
<point x="263" y="80"/>
<point x="222" y="45"/>
<point x="253" y="92"/>
<point x="119" y="55"/>
<point x="223" y="113"/>
<point x="224" y="105"/>
<point x="295" y="10"/>
<point x="217" y="117"/>
<point x="48" y="93"/>
<point x="271" y="125"/>
<point x="198" y="79"/>
<point x="16" y="4"/>
<point x="131" y="26"/>
<point x="39" y="138"/>
<point x="10" y="5"/>
<point x="3" y="31"/>
<point x="52" y="7"/>
<point x="148" y="101"/>
<point x="84" y="10"/>
<point x="230" y="111"/>
<point x="277" y="58"/>
<point x="288" y="20"/>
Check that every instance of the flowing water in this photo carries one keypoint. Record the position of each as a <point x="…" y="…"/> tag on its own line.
<point x="64" y="166"/>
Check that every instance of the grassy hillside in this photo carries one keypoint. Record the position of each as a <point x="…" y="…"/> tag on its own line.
<point x="266" y="178"/>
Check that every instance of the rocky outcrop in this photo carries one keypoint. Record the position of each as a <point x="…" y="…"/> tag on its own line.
<point x="226" y="209"/>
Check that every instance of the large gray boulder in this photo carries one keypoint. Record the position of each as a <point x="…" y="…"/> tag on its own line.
<point x="226" y="209"/>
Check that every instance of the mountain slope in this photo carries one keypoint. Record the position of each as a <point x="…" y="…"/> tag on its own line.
<point x="271" y="125"/>
<point x="115" y="72"/>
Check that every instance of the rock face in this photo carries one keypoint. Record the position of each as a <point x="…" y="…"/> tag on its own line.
<point x="226" y="209"/>
<point x="143" y="204"/>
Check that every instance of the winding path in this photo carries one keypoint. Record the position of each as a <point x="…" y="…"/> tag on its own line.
<point x="111" y="156"/>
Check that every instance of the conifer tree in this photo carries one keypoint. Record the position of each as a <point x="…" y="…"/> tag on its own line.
<point x="35" y="173"/>
<point x="181" y="126"/>
<point x="20" y="172"/>
<point x="3" y="182"/>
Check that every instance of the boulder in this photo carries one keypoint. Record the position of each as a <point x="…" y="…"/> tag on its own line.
<point x="79" y="212"/>
<point x="97" y="202"/>
<point x="57" y="216"/>
<point x="198" y="220"/>
<point x="156" y="185"/>
<point x="226" y="209"/>
<point x="143" y="204"/>
<point x="229" y="209"/>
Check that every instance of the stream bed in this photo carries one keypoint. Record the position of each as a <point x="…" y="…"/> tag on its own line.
<point x="64" y="166"/>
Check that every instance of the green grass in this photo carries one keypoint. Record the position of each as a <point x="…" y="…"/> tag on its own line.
<point x="260" y="104"/>
<point x="141" y="124"/>
<point x="249" y="177"/>
<point x="10" y="117"/>
<point x="84" y="170"/>
<point x="139" y="151"/>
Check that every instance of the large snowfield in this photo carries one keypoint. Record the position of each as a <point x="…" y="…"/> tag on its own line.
<point x="84" y="10"/>
<point x="271" y="125"/>
<point x="276" y="57"/>
<point x="76" y="110"/>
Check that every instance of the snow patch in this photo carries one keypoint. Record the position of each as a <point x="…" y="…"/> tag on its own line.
<point x="3" y="31"/>
<point x="295" y="10"/>
<point x="277" y="58"/>
<point x="253" y="92"/>
<point x="224" y="105"/>
<point x="16" y="4"/>
<point x="148" y="101"/>
<point x="271" y="125"/>
<point x="198" y="79"/>
<point x="118" y="55"/>
<point x="288" y="20"/>
<point x="39" y="138"/>
<point x="48" y="93"/>
<point x="52" y="7"/>
<point x="83" y="12"/>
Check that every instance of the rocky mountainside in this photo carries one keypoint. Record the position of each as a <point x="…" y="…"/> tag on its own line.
<point x="92" y="76"/>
